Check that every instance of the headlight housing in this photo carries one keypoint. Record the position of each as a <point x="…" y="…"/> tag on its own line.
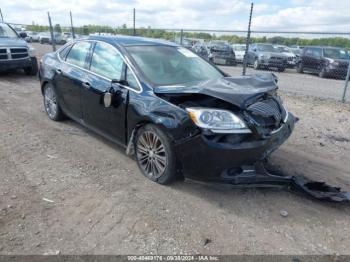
<point x="31" y="51"/>
<point x="217" y="120"/>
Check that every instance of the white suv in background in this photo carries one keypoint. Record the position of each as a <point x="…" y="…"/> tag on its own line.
<point x="239" y="50"/>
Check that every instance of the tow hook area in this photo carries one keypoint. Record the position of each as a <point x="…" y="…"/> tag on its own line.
<point x="258" y="176"/>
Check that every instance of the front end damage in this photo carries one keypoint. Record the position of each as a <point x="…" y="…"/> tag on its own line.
<point x="236" y="158"/>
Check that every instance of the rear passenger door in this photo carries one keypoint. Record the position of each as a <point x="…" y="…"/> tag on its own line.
<point x="70" y="77"/>
<point x="106" y="65"/>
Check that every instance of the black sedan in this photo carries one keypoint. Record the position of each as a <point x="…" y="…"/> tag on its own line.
<point x="177" y="113"/>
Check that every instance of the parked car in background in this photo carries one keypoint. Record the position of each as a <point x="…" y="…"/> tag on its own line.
<point x="291" y="57"/>
<point x="44" y="37"/>
<point x="239" y="50"/>
<point x="15" y="53"/>
<point x="59" y="39"/>
<point x="325" y="61"/>
<point x="202" y="50"/>
<point x="221" y="54"/>
<point x="266" y="56"/>
<point x="32" y="37"/>
<point x="178" y="114"/>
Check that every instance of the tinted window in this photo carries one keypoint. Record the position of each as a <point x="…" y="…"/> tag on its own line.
<point x="308" y="51"/>
<point x="334" y="53"/>
<point x="106" y="61"/>
<point x="78" y="53"/>
<point x="317" y="52"/>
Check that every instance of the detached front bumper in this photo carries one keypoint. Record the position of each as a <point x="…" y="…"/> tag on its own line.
<point x="15" y="64"/>
<point x="206" y="160"/>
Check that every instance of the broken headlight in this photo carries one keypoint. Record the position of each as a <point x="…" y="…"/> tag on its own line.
<point x="217" y="120"/>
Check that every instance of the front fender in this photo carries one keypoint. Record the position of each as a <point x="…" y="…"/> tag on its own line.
<point x="149" y="108"/>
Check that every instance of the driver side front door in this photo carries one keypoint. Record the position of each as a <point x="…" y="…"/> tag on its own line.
<point x="106" y="64"/>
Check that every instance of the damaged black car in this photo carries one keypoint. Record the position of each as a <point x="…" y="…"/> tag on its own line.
<point x="177" y="113"/>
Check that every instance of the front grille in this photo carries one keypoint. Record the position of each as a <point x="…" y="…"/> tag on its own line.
<point x="3" y="54"/>
<point x="268" y="113"/>
<point x="276" y="58"/>
<point x="344" y="65"/>
<point x="11" y="53"/>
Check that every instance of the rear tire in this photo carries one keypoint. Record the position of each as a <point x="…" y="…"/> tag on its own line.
<point x="52" y="108"/>
<point x="281" y="69"/>
<point x="155" y="155"/>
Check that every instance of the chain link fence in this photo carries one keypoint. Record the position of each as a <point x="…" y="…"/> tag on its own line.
<point x="306" y="63"/>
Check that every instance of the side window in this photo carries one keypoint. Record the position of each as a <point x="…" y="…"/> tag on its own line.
<point x="64" y="51"/>
<point x="308" y="52"/>
<point x="318" y="52"/>
<point x="132" y="82"/>
<point x="106" y="61"/>
<point x="78" y="53"/>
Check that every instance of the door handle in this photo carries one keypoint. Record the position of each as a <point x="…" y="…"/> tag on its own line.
<point x="86" y="85"/>
<point x="59" y="71"/>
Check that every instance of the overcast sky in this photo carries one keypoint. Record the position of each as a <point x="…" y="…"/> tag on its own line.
<point x="291" y="15"/>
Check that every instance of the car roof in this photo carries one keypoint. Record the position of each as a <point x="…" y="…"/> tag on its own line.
<point x="130" y="40"/>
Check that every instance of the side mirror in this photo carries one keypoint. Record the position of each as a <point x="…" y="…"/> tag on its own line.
<point x="23" y="34"/>
<point x="119" y="82"/>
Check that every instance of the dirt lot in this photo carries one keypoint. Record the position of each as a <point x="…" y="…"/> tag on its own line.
<point x="64" y="189"/>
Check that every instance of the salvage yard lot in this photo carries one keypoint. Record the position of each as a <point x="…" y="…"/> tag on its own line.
<point x="99" y="203"/>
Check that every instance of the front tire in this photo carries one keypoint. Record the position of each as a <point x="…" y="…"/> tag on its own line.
<point x="256" y="64"/>
<point x="52" y="108"/>
<point x="300" y="68"/>
<point x="155" y="154"/>
<point x="33" y="69"/>
<point x="322" y="73"/>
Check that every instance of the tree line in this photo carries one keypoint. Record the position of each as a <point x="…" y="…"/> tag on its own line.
<point x="169" y="35"/>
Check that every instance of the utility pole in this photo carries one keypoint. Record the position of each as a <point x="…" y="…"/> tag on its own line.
<point x="247" y="41"/>
<point x="71" y="24"/>
<point x="51" y="32"/>
<point x="134" y="19"/>
<point x="346" y="84"/>
<point x="2" y="18"/>
<point x="181" y="36"/>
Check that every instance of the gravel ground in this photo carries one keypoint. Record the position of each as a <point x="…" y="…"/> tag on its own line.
<point x="65" y="189"/>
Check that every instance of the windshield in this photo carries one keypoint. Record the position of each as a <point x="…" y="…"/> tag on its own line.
<point x="239" y="47"/>
<point x="283" y="49"/>
<point x="266" y="48"/>
<point x="167" y="65"/>
<point x="6" y="31"/>
<point x="335" y="53"/>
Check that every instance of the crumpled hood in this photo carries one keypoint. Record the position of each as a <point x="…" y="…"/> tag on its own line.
<point x="12" y="42"/>
<point x="240" y="91"/>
